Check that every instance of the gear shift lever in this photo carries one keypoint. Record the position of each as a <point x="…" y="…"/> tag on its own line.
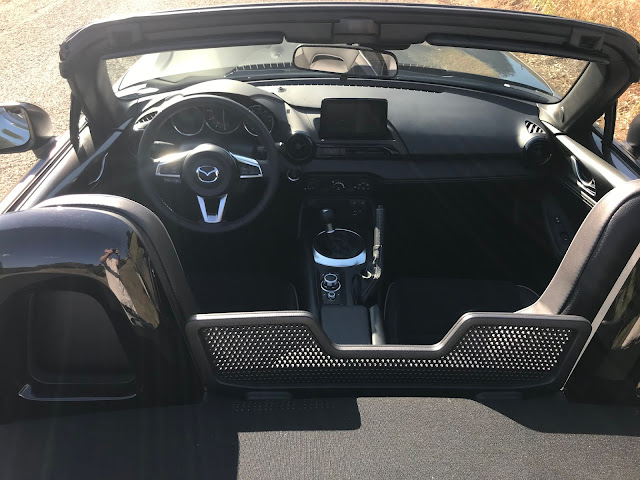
<point x="328" y="217"/>
<point x="337" y="247"/>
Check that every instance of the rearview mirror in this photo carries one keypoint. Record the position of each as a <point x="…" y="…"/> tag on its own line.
<point x="348" y="61"/>
<point x="23" y="127"/>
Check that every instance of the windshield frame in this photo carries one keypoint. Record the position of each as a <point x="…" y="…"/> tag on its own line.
<point x="82" y="53"/>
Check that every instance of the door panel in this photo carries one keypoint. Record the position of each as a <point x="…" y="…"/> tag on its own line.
<point x="586" y="174"/>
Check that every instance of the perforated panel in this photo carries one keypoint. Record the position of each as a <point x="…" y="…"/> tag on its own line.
<point x="290" y="355"/>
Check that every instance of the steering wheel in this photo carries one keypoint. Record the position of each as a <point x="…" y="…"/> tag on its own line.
<point x="208" y="171"/>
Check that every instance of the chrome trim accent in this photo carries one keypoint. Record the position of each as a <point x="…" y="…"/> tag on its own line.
<point x="221" y="132"/>
<point x="183" y="133"/>
<point x="359" y="259"/>
<point x="290" y="178"/>
<point x="273" y="120"/>
<point x="203" y="175"/>
<point x="217" y="218"/>
<point x="104" y="161"/>
<point x="248" y="161"/>
<point x="335" y="290"/>
<point x="626" y="271"/>
<point x="165" y="175"/>
<point x="377" y="328"/>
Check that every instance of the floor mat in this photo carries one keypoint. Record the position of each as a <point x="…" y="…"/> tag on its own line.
<point x="221" y="292"/>
<point x="420" y="311"/>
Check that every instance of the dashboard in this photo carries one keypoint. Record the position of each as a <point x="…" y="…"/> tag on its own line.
<point x="400" y="133"/>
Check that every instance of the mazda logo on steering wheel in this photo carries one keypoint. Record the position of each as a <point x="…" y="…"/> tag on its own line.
<point x="207" y="174"/>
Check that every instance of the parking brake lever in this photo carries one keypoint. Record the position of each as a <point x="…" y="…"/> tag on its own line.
<point x="371" y="277"/>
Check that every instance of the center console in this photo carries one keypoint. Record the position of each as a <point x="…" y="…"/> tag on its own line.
<point x="341" y="236"/>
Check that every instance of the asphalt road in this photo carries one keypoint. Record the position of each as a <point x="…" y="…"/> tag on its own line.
<point x="30" y="35"/>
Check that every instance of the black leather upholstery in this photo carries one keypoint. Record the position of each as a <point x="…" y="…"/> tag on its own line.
<point x="423" y="310"/>
<point x="599" y="252"/>
<point x="163" y="253"/>
<point x="201" y="292"/>
<point x="420" y="311"/>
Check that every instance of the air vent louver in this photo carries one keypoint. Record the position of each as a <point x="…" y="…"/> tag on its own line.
<point x="537" y="152"/>
<point x="533" y="128"/>
<point x="299" y="147"/>
<point x="147" y="117"/>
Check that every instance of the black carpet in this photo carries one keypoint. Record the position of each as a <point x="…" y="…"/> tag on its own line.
<point x="369" y="438"/>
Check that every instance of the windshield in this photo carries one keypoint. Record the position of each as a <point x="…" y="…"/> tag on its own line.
<point x="143" y="74"/>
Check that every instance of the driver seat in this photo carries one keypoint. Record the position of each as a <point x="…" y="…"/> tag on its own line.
<point x="195" y="292"/>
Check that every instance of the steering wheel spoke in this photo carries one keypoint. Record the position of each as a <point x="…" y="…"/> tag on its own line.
<point x="248" y="167"/>
<point x="212" y="217"/>
<point x="169" y="167"/>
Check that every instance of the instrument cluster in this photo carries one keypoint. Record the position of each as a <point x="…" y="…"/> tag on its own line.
<point x="192" y="121"/>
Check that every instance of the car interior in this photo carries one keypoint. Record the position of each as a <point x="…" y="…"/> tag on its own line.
<point x="344" y="231"/>
<point x="369" y="226"/>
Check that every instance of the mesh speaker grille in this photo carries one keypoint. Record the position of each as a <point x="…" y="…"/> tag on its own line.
<point x="290" y="355"/>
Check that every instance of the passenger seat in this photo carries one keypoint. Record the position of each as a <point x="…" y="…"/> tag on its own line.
<point x="420" y="311"/>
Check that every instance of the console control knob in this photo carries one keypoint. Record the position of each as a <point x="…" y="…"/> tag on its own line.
<point x="364" y="186"/>
<point x="337" y="186"/>
<point x="330" y="282"/>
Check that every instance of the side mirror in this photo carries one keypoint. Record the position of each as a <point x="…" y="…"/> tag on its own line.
<point x="633" y="135"/>
<point x="23" y="127"/>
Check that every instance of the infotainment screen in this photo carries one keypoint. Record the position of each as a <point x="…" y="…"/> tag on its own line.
<point x="354" y="119"/>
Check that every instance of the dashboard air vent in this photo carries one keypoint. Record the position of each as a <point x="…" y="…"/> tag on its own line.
<point x="299" y="147"/>
<point x="533" y="128"/>
<point x="146" y="118"/>
<point x="537" y="152"/>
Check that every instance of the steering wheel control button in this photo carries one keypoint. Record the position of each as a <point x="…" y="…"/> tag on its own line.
<point x="207" y="174"/>
<point x="249" y="171"/>
<point x="169" y="169"/>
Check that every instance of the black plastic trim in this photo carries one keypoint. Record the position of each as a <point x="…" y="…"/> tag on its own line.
<point x="579" y="325"/>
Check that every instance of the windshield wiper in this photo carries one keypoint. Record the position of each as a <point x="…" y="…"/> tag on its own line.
<point x="441" y="76"/>
<point x="267" y="71"/>
<point x="407" y="68"/>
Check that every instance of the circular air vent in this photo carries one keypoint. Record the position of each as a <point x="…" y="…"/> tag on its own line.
<point x="537" y="152"/>
<point x="299" y="147"/>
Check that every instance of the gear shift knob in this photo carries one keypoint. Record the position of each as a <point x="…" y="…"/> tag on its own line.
<point x="328" y="217"/>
